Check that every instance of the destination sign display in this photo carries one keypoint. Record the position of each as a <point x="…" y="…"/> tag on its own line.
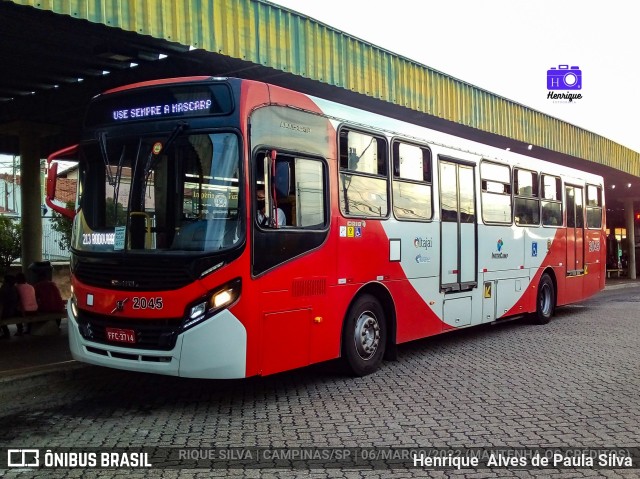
<point x="164" y="101"/>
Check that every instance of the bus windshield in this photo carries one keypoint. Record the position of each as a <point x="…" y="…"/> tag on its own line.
<point x="176" y="192"/>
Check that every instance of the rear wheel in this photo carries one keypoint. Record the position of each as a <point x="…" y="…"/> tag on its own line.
<point x="545" y="301"/>
<point x="364" y="336"/>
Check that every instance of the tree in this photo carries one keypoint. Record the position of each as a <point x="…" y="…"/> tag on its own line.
<point x="116" y="214"/>
<point x="10" y="242"/>
<point x="63" y="225"/>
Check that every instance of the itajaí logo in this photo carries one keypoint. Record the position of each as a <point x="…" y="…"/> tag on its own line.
<point x="499" y="254"/>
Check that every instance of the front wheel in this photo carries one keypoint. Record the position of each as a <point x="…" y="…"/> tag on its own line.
<point x="364" y="336"/>
<point x="545" y="300"/>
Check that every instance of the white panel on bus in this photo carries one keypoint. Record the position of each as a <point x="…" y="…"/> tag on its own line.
<point x="457" y="312"/>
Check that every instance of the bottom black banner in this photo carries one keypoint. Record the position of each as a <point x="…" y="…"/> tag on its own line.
<point x="320" y="458"/>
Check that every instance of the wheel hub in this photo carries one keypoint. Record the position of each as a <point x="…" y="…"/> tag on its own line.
<point x="544" y="299"/>
<point x="367" y="335"/>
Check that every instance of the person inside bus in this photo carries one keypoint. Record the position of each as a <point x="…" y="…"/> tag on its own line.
<point x="210" y="214"/>
<point x="264" y="220"/>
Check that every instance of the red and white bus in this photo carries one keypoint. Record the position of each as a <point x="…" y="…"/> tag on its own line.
<point x="228" y="228"/>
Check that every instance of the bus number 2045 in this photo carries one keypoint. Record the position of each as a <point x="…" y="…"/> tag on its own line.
<point x="147" y="303"/>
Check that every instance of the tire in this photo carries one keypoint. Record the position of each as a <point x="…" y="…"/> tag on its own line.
<point x="545" y="300"/>
<point x="364" y="336"/>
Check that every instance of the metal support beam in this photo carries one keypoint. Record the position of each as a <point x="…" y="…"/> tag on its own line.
<point x="631" y="240"/>
<point x="31" y="197"/>
<point x="29" y="135"/>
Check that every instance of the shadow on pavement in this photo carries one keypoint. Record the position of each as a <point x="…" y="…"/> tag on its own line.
<point x="24" y="354"/>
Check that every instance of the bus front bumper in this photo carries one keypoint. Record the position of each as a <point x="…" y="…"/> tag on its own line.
<point x="213" y="349"/>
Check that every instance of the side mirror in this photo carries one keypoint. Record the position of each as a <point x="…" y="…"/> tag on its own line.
<point x="52" y="178"/>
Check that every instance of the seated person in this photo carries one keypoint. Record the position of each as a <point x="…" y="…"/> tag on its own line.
<point x="28" y="306"/>
<point x="48" y="295"/>
<point x="265" y="220"/>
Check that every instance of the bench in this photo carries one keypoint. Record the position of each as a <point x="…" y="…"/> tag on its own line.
<point x="617" y="271"/>
<point x="38" y="318"/>
<point x="40" y="321"/>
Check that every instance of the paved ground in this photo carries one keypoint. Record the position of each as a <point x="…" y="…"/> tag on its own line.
<point x="572" y="383"/>
<point x="23" y="354"/>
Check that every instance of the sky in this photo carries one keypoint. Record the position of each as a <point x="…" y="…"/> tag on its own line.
<point x="507" y="47"/>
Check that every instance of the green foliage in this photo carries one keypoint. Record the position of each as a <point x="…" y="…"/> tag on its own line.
<point x="116" y="215"/>
<point x="63" y="225"/>
<point x="10" y="242"/>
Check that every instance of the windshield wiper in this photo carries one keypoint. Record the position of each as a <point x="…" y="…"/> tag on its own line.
<point x="113" y="181"/>
<point x="102" y="141"/>
<point x="148" y="164"/>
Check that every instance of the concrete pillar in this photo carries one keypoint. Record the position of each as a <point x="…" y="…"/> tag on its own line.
<point x="631" y="240"/>
<point x="31" y="197"/>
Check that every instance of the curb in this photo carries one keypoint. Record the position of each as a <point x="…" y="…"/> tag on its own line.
<point x="630" y="284"/>
<point x="39" y="374"/>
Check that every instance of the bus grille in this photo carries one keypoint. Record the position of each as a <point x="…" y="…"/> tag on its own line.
<point x="132" y="276"/>
<point x="157" y="334"/>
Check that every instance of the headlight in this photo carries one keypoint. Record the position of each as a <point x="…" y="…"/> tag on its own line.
<point x="219" y="298"/>
<point x="196" y="314"/>
<point x="74" y="305"/>
<point x="197" y="310"/>
<point x="225" y="295"/>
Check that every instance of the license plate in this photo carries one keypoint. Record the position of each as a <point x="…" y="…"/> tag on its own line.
<point x="121" y="335"/>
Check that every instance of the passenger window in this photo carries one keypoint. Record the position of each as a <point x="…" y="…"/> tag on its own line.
<point x="496" y="193"/>
<point x="594" y="206"/>
<point x="526" y="201"/>
<point x="412" y="182"/>
<point x="363" y="175"/>
<point x="551" y="201"/>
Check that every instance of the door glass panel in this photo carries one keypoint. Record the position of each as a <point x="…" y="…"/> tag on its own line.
<point x="448" y="192"/>
<point x="458" y="229"/>
<point x="571" y="207"/>
<point x="467" y="207"/>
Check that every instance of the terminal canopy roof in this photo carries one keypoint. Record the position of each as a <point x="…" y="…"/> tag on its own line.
<point x="57" y="55"/>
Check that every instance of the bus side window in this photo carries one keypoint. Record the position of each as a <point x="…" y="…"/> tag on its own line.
<point x="411" y="182"/>
<point x="526" y="198"/>
<point x="496" y="192"/>
<point x="551" y="201"/>
<point x="594" y="206"/>
<point x="294" y="194"/>
<point x="363" y="175"/>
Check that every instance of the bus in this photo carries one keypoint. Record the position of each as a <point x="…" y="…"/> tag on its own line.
<point x="227" y="228"/>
